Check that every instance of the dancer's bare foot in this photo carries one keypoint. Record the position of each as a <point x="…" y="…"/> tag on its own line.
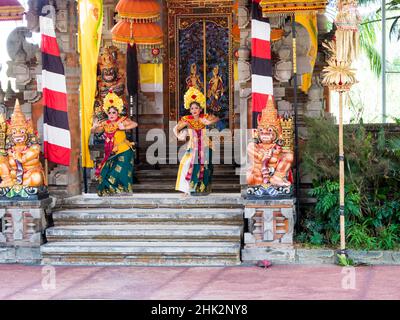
<point x="185" y="195"/>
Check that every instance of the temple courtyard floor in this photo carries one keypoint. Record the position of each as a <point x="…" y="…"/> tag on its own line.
<point x="180" y="283"/>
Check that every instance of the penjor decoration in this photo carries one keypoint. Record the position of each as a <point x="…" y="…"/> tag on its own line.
<point x="271" y="155"/>
<point x="340" y="77"/>
<point x="21" y="172"/>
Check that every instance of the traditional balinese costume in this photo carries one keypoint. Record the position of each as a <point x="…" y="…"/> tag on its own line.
<point x="116" y="171"/>
<point x="195" y="170"/>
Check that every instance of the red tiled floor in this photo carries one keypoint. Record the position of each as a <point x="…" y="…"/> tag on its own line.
<point x="236" y="283"/>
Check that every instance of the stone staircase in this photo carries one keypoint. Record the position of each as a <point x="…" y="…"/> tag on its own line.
<point x="146" y="231"/>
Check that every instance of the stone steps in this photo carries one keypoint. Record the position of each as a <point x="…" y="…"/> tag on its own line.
<point x="141" y="253"/>
<point x="144" y="232"/>
<point x="152" y="201"/>
<point x="172" y="216"/>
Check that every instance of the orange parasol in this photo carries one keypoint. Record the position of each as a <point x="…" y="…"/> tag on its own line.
<point x="137" y="24"/>
<point x="143" y="34"/>
<point x="11" y="10"/>
<point x="138" y="11"/>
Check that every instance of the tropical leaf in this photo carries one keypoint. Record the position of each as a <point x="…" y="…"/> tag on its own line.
<point x="394" y="33"/>
<point x="367" y="43"/>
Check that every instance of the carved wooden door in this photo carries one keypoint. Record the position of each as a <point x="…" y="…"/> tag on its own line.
<point x="200" y="55"/>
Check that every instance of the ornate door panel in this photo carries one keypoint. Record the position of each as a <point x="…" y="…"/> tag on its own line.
<point x="200" y="55"/>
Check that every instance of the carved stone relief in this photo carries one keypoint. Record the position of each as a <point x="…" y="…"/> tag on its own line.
<point x="274" y="225"/>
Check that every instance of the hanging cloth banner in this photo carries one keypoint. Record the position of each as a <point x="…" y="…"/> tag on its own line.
<point x="262" y="83"/>
<point x="90" y="28"/>
<point x="236" y="76"/>
<point x="56" y="133"/>
<point x="309" y="21"/>
<point x="151" y="77"/>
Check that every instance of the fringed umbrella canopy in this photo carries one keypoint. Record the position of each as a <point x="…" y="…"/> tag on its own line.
<point x="137" y="24"/>
<point x="273" y="7"/>
<point x="142" y="11"/>
<point x="143" y="34"/>
<point x="11" y="10"/>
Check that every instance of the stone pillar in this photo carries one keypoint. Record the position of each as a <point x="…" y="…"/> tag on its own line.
<point x="73" y="81"/>
<point x="244" y="69"/>
<point x="22" y="229"/>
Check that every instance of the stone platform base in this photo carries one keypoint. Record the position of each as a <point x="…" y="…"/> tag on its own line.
<point x="24" y="255"/>
<point x="290" y="255"/>
<point x="277" y="255"/>
<point x="22" y="227"/>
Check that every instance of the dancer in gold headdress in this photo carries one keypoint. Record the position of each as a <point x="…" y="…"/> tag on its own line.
<point x="195" y="170"/>
<point x="116" y="171"/>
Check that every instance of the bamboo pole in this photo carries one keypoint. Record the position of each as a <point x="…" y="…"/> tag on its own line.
<point x="341" y="177"/>
<point x="296" y="129"/>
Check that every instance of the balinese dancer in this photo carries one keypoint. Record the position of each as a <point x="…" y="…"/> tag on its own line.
<point x="195" y="170"/>
<point x="116" y="171"/>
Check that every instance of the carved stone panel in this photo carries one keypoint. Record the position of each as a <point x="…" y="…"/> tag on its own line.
<point x="22" y="225"/>
<point x="269" y="225"/>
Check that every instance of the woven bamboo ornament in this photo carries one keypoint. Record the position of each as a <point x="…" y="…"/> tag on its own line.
<point x="337" y="75"/>
<point x="347" y="36"/>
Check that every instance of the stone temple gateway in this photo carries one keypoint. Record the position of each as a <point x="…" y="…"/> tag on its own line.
<point x="236" y="54"/>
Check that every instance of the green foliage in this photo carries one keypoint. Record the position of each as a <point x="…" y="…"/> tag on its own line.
<point x="371" y="25"/>
<point x="368" y="44"/>
<point x="359" y="237"/>
<point x="372" y="201"/>
<point x="344" y="261"/>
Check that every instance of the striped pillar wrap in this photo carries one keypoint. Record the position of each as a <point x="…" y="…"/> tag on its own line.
<point x="56" y="133"/>
<point x="262" y="84"/>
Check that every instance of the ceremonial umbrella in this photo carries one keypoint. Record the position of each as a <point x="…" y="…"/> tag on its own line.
<point x="340" y="77"/>
<point x="11" y="10"/>
<point x="137" y="24"/>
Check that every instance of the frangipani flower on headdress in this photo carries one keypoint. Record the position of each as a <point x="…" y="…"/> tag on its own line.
<point x="194" y="95"/>
<point x="113" y="101"/>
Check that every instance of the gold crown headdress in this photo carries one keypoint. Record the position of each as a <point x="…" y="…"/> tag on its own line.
<point x="269" y="117"/>
<point x="107" y="58"/>
<point x="113" y="101"/>
<point x="194" y="95"/>
<point x="18" y="120"/>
